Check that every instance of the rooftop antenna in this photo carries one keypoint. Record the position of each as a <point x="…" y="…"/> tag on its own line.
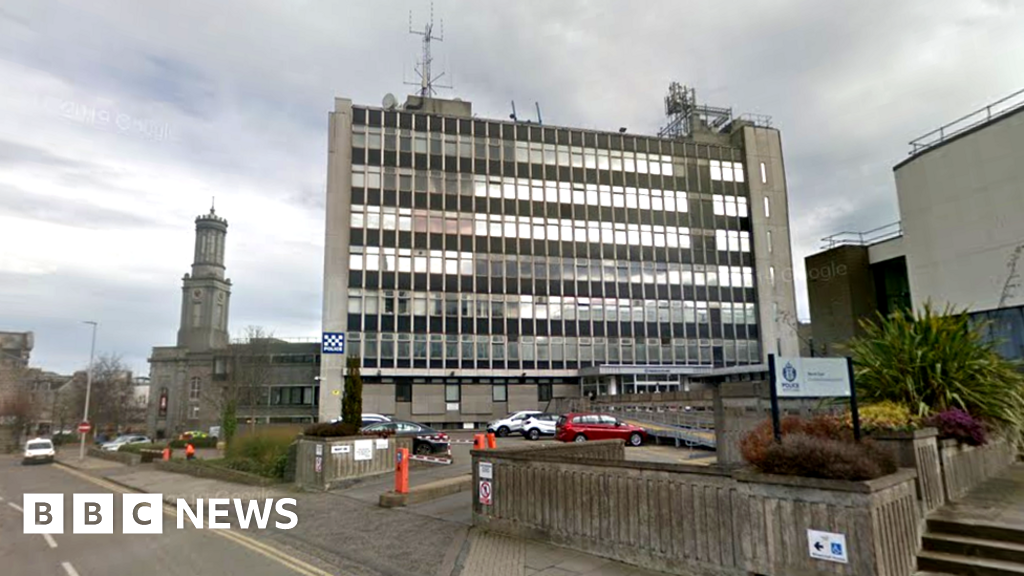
<point x="213" y="204"/>
<point x="427" y="81"/>
<point x="513" y="115"/>
<point x="539" y="121"/>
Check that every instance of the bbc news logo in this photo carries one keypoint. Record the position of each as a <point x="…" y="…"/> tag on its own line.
<point x="143" y="513"/>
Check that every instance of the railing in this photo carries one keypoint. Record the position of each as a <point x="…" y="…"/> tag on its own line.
<point x="291" y="340"/>
<point x="874" y="236"/>
<point x="980" y="116"/>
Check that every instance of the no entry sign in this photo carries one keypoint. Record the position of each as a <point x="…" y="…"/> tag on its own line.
<point x="485" y="492"/>
<point x="84" y="427"/>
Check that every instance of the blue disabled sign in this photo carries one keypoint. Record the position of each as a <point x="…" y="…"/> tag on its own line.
<point x="333" y="343"/>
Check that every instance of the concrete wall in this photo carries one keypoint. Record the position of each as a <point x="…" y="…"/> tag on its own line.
<point x="964" y="467"/>
<point x="697" y="520"/>
<point x="841" y="291"/>
<point x="774" y="259"/>
<point x="960" y="205"/>
<point x="338" y="468"/>
<point x="919" y="450"/>
<point x="338" y="218"/>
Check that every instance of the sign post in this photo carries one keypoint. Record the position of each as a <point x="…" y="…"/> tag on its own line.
<point x="811" y="378"/>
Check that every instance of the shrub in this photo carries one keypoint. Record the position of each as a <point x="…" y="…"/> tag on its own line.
<point x="138" y="448"/>
<point x="352" y="399"/>
<point x="61" y="439"/>
<point x="886" y="416"/>
<point x="331" y="430"/>
<point x="264" y="453"/>
<point x="207" y="442"/>
<point x="816" y="457"/>
<point x="754" y="445"/>
<point x="933" y="361"/>
<point x="960" y="426"/>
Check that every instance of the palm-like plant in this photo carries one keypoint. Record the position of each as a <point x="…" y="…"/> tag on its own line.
<point x="932" y="361"/>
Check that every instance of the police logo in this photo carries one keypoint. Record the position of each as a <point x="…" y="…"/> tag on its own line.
<point x="788" y="372"/>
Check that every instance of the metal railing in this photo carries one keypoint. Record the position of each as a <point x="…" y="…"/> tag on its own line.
<point x="866" y="238"/>
<point x="980" y="116"/>
<point x="290" y="340"/>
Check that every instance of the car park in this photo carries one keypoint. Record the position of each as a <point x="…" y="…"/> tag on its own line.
<point x="510" y="424"/>
<point x="425" y="440"/>
<point x="39" y="450"/>
<point x="538" y="425"/>
<point x="577" y="427"/>
<point x="115" y="444"/>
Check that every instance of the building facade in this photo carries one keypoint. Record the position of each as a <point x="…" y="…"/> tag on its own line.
<point x="959" y="240"/>
<point x="16" y="348"/>
<point x="482" y="266"/>
<point x="271" y="380"/>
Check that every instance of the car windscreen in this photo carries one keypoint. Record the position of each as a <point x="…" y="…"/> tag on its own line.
<point x="39" y="446"/>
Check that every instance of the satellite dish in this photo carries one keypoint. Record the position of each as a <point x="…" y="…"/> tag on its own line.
<point x="390" y="102"/>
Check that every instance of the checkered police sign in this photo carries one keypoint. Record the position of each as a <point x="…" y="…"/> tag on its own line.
<point x="333" y="343"/>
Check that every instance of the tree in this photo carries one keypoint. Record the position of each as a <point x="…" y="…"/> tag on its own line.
<point x="933" y="361"/>
<point x="113" y="404"/>
<point x="242" y="387"/>
<point x="352" y="400"/>
<point x="16" y="407"/>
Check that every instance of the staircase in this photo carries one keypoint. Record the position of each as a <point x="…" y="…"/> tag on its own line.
<point x="971" y="547"/>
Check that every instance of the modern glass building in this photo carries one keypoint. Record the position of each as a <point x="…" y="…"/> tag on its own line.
<point x="481" y="266"/>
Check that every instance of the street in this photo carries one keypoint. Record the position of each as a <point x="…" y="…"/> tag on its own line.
<point x="175" y="552"/>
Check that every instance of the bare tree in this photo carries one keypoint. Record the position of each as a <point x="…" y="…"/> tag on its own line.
<point x="248" y="373"/>
<point x="16" y="407"/>
<point x="113" y="404"/>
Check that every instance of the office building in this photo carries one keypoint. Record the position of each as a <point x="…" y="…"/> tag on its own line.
<point x="479" y="266"/>
<point x="959" y="240"/>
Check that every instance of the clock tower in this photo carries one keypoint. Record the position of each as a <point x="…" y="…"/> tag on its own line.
<point x="205" y="293"/>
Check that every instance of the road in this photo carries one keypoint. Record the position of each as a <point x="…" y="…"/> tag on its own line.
<point x="174" y="553"/>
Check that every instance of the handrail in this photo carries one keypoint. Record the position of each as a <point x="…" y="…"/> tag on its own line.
<point x="923" y="143"/>
<point x="873" y="236"/>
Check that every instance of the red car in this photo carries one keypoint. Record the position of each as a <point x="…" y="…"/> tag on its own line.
<point x="582" y="427"/>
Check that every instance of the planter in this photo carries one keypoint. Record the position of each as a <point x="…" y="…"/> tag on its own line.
<point x="918" y="449"/>
<point x="325" y="463"/>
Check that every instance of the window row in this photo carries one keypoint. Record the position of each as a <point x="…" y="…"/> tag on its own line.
<point x="522" y="227"/>
<point x="729" y="205"/>
<point x="498" y="150"/>
<point x="727" y="171"/>
<point x="375" y="259"/>
<point x="585" y="351"/>
<point x="482" y="306"/>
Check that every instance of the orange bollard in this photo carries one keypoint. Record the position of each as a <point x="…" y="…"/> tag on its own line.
<point x="402" y="471"/>
<point x="167" y="454"/>
<point x="491" y="442"/>
<point x="478" y="442"/>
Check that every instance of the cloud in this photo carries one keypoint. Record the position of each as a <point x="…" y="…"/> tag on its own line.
<point x="117" y="126"/>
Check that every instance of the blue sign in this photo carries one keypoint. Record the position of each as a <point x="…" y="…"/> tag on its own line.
<point x="333" y="343"/>
<point x="837" y="549"/>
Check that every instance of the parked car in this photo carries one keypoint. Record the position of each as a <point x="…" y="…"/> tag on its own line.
<point x="368" y="418"/>
<point x="115" y="444"/>
<point x="425" y="440"/>
<point x="513" y="423"/>
<point x="583" y="427"/>
<point x="539" y="425"/>
<point x="193" y="434"/>
<point x="38" y="450"/>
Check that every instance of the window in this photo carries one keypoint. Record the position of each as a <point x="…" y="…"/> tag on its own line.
<point x="403" y="392"/>
<point x="767" y="208"/>
<point x="771" y="274"/>
<point x="452" y="393"/>
<point x="544" y="392"/>
<point x="194" y="389"/>
<point x="764" y="174"/>
<point x="768" y="235"/>
<point x="499" y="393"/>
<point x="194" y="412"/>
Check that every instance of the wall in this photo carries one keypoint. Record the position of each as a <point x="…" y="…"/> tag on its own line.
<point x="840" y="291"/>
<point x="338" y="468"/>
<point x="697" y="520"/>
<point x="960" y="205"/>
<point x="964" y="467"/>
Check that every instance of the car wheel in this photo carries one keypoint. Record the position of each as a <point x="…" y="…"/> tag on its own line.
<point x="580" y="438"/>
<point x="534" y="434"/>
<point x="635" y="439"/>
<point x="423" y="449"/>
<point x="503" y="432"/>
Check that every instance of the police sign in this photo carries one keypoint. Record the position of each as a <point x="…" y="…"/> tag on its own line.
<point x="333" y="343"/>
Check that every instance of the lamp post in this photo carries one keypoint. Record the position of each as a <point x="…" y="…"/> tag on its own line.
<point x="88" y="387"/>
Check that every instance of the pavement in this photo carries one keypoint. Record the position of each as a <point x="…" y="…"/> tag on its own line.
<point x="340" y="532"/>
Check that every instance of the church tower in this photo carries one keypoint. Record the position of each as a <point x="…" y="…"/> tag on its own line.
<point x="205" y="293"/>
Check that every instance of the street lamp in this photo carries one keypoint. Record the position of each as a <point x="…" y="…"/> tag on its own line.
<point x="88" y="387"/>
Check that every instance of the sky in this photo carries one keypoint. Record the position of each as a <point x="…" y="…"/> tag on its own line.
<point x="121" y="120"/>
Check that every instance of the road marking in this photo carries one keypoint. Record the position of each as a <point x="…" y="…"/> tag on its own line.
<point x="69" y="569"/>
<point x="290" y="562"/>
<point x="16" y="507"/>
<point x="49" y="540"/>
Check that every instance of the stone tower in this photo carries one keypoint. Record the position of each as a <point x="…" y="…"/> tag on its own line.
<point x="205" y="293"/>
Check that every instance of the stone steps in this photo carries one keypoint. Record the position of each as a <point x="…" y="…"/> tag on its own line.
<point x="972" y="548"/>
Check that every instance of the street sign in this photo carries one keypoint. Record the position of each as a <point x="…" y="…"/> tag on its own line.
<point x="812" y="377"/>
<point x="84" y="428"/>
<point x="485" y="492"/>
<point x="486" y="470"/>
<point x="827" y="546"/>
<point x="382" y="443"/>
<point x="333" y="343"/>
<point x="341" y="449"/>
<point x="319" y="464"/>
<point x="319" y="449"/>
<point x="363" y="449"/>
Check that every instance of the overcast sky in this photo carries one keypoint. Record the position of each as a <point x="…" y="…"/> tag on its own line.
<point x="119" y="120"/>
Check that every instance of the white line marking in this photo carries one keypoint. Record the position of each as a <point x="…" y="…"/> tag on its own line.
<point x="15" y="506"/>
<point x="49" y="540"/>
<point x="1" y="498"/>
<point x="69" y="569"/>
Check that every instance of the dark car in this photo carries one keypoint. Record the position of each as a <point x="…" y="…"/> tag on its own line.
<point x="425" y="440"/>
<point x="582" y="427"/>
